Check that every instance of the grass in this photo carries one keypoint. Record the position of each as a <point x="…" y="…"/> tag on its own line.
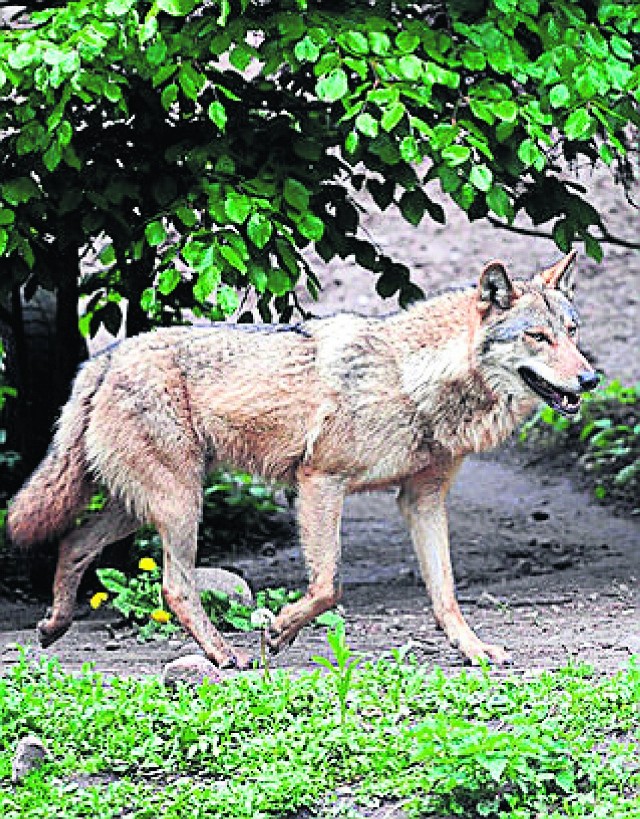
<point x="565" y="744"/>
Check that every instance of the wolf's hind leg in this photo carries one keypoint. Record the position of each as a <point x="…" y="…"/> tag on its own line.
<point x="76" y="552"/>
<point x="422" y="503"/>
<point x="320" y="501"/>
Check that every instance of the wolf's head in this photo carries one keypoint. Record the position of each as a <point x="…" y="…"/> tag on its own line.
<point x="528" y="336"/>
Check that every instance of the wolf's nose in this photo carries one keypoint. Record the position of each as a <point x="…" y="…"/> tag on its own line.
<point x="588" y="381"/>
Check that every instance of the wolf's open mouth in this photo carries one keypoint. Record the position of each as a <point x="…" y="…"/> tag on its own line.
<point x="567" y="403"/>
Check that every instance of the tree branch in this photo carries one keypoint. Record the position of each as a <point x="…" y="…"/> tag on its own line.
<point x="605" y="237"/>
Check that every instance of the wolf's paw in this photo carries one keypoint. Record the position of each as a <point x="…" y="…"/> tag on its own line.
<point x="479" y="652"/>
<point x="278" y="639"/>
<point x="50" y="630"/>
<point x="234" y="659"/>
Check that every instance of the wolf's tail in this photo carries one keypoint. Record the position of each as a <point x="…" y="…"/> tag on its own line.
<point x="60" y="487"/>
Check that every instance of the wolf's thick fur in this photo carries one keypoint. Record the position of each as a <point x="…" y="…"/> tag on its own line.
<point x="333" y="405"/>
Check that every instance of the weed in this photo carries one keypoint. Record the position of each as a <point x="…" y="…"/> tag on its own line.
<point x="343" y="666"/>
<point x="561" y="745"/>
<point x="140" y="601"/>
<point x="606" y="432"/>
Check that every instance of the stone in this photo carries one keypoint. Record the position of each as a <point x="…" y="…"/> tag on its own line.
<point x="231" y="584"/>
<point x="30" y="754"/>
<point x="191" y="670"/>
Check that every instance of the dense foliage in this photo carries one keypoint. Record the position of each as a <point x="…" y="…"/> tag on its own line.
<point x="203" y="146"/>
<point x="386" y="734"/>
<point x="605" y="435"/>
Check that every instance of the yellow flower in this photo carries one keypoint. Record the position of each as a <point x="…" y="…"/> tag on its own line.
<point x="98" y="599"/>
<point x="147" y="564"/>
<point x="160" y="616"/>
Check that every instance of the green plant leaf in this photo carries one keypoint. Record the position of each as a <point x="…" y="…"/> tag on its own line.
<point x="559" y="96"/>
<point x="296" y="194"/>
<point x="155" y="233"/>
<point x="392" y="116"/>
<point x="333" y="86"/>
<point x="177" y="8"/>
<point x="579" y="125"/>
<point x="217" y="114"/>
<point x="481" y="177"/>
<point x="259" y="229"/>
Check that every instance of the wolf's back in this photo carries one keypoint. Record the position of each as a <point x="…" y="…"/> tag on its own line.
<point x="60" y="487"/>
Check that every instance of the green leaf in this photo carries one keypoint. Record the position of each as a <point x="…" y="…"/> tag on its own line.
<point x="177" y="8"/>
<point x="332" y="86"/>
<point x="413" y="205"/>
<point x="168" y="280"/>
<point x="579" y="125"/>
<point x="208" y="280"/>
<point x="499" y="202"/>
<point x="7" y="216"/>
<point x="259" y="229"/>
<point x="562" y="235"/>
<point x="407" y="42"/>
<point x="410" y="67"/>
<point x="310" y="226"/>
<point x="409" y="149"/>
<point x="306" y="50"/>
<point x="367" y="125"/>
<point x="355" y="41"/>
<point x="155" y="233"/>
<point x="621" y="48"/>
<point x="237" y="207"/>
<point x="593" y="247"/>
<point x="481" y="177"/>
<point x="351" y="142"/>
<point x="392" y="116"/>
<point x="296" y="194"/>
<point x="380" y="42"/>
<point x="278" y="282"/>
<point x="227" y="299"/>
<point x="52" y="156"/>
<point x="17" y="191"/>
<point x="233" y="257"/>
<point x="169" y="95"/>
<point x="217" y="114"/>
<point x="528" y="152"/>
<point x="559" y="96"/>
<point x="506" y="110"/>
<point x="4" y="240"/>
<point x="456" y="155"/>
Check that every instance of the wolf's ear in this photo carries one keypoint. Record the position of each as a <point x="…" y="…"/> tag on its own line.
<point x="561" y="275"/>
<point x="495" y="287"/>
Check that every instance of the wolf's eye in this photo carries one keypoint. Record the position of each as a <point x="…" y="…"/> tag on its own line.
<point x="572" y="330"/>
<point x="539" y="337"/>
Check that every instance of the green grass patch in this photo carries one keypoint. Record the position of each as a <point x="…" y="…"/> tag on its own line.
<point x="605" y="434"/>
<point x="564" y="744"/>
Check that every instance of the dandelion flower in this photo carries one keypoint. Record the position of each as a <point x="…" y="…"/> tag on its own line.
<point x="147" y="564"/>
<point x="262" y="618"/>
<point x="160" y="616"/>
<point x="98" y="599"/>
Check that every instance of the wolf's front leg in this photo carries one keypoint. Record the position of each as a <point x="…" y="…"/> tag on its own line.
<point x="422" y="503"/>
<point x="320" y="500"/>
<point x="180" y="542"/>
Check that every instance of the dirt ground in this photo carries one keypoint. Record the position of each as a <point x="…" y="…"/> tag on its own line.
<point x="540" y="566"/>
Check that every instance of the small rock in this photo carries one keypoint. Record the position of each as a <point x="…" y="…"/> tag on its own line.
<point x="192" y="670"/>
<point x="112" y="645"/>
<point x="540" y="514"/>
<point x="30" y="754"/>
<point x="231" y="584"/>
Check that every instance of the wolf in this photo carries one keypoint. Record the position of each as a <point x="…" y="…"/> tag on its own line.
<point x="333" y="406"/>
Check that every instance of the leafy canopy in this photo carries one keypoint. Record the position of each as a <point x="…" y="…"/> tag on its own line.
<point x="204" y="146"/>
